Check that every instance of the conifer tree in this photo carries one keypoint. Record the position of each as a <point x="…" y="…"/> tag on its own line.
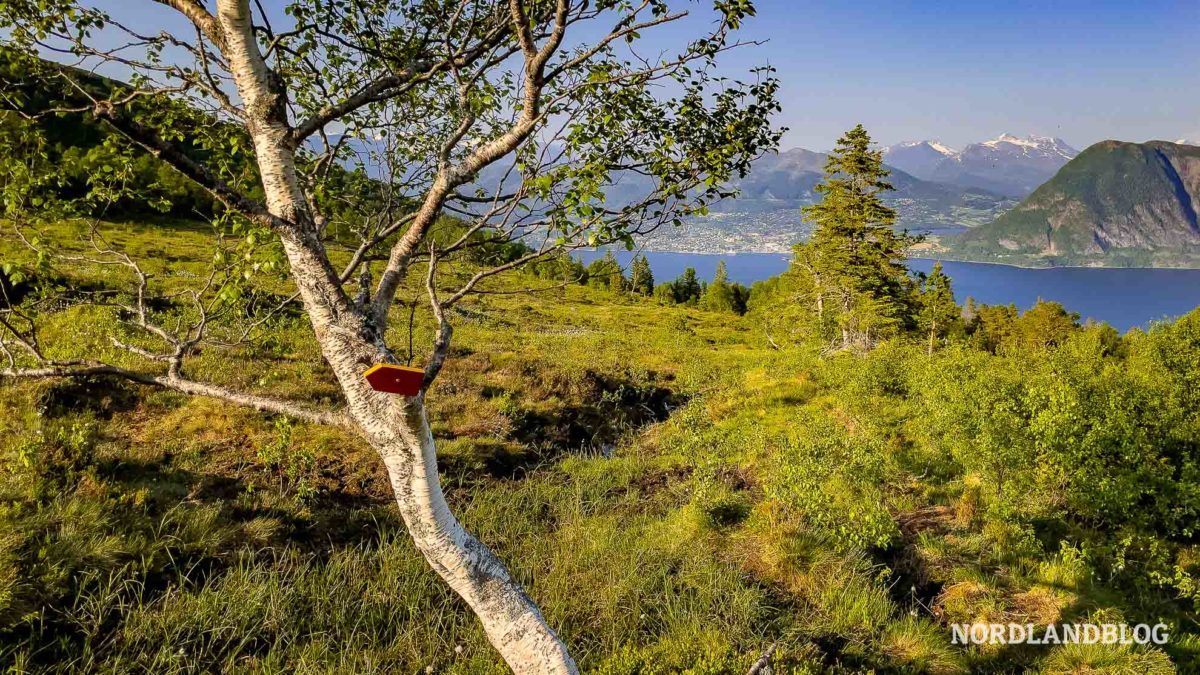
<point x="562" y="267"/>
<point x="719" y="296"/>
<point x="641" y="279"/>
<point x="858" y="255"/>
<point x="687" y="287"/>
<point x="938" y="311"/>
<point x="606" y="273"/>
<point x="741" y="298"/>
<point x="969" y="310"/>
<point x="664" y="293"/>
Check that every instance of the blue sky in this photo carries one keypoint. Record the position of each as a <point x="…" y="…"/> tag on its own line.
<point x="966" y="71"/>
<point x="956" y="71"/>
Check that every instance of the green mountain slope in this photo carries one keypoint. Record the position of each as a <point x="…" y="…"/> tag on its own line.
<point x="1116" y="204"/>
<point x="82" y="148"/>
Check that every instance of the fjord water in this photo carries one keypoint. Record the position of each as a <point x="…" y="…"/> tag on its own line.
<point x="1123" y="298"/>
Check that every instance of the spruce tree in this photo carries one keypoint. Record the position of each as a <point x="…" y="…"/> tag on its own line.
<point x="664" y="293"/>
<point x="858" y="255"/>
<point x="718" y="296"/>
<point x="641" y="279"/>
<point x="606" y="273"/>
<point x="969" y="310"/>
<point x="938" y="311"/>
<point x="687" y="287"/>
<point x="741" y="298"/>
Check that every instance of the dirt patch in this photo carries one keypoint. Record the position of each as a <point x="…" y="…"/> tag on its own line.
<point x="652" y="482"/>
<point x="914" y="587"/>
<point x="936" y="518"/>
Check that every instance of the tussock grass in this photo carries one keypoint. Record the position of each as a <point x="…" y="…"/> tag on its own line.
<point x="674" y="493"/>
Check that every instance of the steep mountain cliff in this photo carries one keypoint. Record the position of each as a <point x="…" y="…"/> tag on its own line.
<point x="1115" y="204"/>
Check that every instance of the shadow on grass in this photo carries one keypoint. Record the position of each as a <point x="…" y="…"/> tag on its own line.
<point x="611" y="408"/>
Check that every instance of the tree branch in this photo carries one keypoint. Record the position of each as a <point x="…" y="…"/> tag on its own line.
<point x="146" y="138"/>
<point x="199" y="16"/>
<point x="191" y="387"/>
<point x="450" y="178"/>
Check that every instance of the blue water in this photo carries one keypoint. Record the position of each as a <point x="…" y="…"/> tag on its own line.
<point x="1123" y="298"/>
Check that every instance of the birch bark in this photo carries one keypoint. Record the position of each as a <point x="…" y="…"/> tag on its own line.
<point x="396" y="427"/>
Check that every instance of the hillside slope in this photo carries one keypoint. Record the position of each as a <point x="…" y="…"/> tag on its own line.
<point x="676" y="494"/>
<point x="81" y="147"/>
<point x="1115" y="204"/>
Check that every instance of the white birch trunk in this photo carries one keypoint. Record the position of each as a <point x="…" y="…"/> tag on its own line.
<point x="510" y="618"/>
<point x="397" y="428"/>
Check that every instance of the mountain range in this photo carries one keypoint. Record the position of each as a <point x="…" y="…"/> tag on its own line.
<point x="938" y="190"/>
<point x="786" y="180"/>
<point x="919" y="158"/>
<point x="766" y="217"/>
<point x="1115" y="204"/>
<point x="1008" y="165"/>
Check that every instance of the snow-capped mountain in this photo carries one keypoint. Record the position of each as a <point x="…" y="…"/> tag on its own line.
<point x="919" y="158"/>
<point x="1037" y="146"/>
<point x="1187" y="141"/>
<point x="1008" y="164"/>
<point x="785" y="181"/>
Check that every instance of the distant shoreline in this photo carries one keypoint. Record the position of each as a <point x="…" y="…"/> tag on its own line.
<point x="1053" y="267"/>
<point x="942" y="259"/>
<point x="918" y="257"/>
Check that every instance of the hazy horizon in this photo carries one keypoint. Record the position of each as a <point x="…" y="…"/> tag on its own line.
<point x="1193" y="139"/>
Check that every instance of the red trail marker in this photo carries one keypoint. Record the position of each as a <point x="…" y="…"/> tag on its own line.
<point x="393" y="379"/>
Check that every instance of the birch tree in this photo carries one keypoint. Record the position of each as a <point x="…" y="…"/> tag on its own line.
<point x="340" y="134"/>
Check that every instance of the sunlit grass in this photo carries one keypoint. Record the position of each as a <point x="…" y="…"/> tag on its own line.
<point x="674" y="493"/>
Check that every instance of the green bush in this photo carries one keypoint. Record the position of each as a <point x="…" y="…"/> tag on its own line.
<point x="834" y="481"/>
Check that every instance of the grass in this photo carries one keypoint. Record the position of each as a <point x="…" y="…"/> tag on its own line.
<point x="675" y="494"/>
